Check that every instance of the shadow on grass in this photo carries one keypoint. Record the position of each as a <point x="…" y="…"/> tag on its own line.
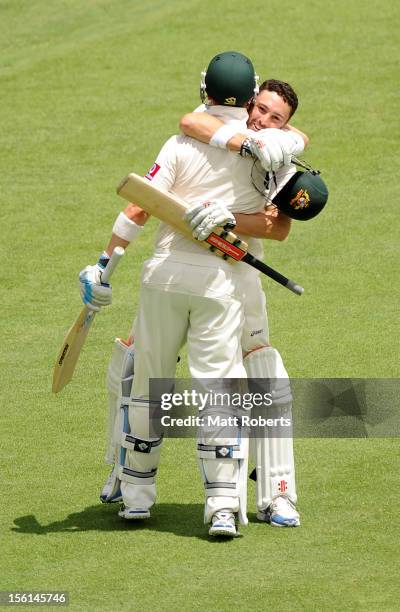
<point x="184" y="520"/>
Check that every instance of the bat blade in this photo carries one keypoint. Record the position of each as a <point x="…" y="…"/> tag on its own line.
<point x="164" y="206"/>
<point x="71" y="348"/>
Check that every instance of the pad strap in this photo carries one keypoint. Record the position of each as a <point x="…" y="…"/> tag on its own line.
<point x="126" y="474"/>
<point x="221" y="489"/>
<point x="206" y="451"/>
<point x="281" y="392"/>
<point x="140" y="446"/>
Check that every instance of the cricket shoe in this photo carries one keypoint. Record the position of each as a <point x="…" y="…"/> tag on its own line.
<point x="223" y="524"/>
<point x="280" y="513"/>
<point x="111" y="492"/>
<point x="133" y="514"/>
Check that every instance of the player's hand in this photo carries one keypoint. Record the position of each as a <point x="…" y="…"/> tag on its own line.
<point x="269" y="153"/>
<point x="274" y="148"/>
<point x="206" y="217"/>
<point x="94" y="293"/>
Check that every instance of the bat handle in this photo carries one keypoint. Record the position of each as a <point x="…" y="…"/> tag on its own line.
<point x="274" y="274"/>
<point x="294" y="287"/>
<point x="114" y="259"/>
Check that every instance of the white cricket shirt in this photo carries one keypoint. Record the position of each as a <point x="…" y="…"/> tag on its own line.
<point x="198" y="172"/>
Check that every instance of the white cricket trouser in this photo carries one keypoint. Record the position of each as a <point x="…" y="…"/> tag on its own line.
<point x="180" y="302"/>
<point x="255" y="328"/>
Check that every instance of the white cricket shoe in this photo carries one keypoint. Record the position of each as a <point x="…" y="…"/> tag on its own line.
<point x="223" y="524"/>
<point x="133" y="514"/>
<point x="280" y="513"/>
<point x="111" y="492"/>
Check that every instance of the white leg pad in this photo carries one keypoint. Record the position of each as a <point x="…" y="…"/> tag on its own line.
<point x="273" y="456"/>
<point x="120" y="367"/>
<point x="223" y="465"/>
<point x="111" y="491"/>
<point x="138" y="474"/>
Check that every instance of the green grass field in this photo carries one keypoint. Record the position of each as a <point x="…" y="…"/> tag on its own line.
<point x="89" y="91"/>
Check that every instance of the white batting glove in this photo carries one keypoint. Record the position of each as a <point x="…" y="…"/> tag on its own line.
<point x="206" y="217"/>
<point x="270" y="154"/>
<point x="290" y="143"/>
<point x="94" y="293"/>
<point x="274" y="148"/>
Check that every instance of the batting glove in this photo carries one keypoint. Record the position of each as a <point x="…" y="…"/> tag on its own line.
<point x="274" y="148"/>
<point x="94" y="293"/>
<point x="206" y="217"/>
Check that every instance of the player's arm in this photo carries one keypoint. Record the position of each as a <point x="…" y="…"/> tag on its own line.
<point x="270" y="224"/>
<point x="204" y="127"/>
<point x="129" y="223"/>
<point x="127" y="227"/>
<point x="200" y="126"/>
<point x="304" y="136"/>
<point x="273" y="147"/>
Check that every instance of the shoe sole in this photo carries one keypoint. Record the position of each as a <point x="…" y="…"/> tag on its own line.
<point x="134" y="517"/>
<point x="284" y="524"/>
<point x="222" y="532"/>
<point x="265" y="519"/>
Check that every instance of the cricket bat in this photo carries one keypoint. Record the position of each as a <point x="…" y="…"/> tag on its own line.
<point x="77" y="334"/>
<point x="171" y="209"/>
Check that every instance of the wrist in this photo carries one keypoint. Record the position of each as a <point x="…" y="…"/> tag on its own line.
<point x="230" y="225"/>
<point x="221" y="137"/>
<point x="245" y="148"/>
<point x="125" y="228"/>
<point x="103" y="261"/>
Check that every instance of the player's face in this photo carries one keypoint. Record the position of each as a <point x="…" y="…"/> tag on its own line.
<point x="269" y="111"/>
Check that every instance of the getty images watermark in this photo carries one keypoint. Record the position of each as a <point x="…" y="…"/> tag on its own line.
<point x="303" y="408"/>
<point x="180" y="408"/>
<point x="239" y="408"/>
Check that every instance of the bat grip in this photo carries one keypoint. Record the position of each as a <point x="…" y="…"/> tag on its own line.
<point x="114" y="259"/>
<point x="274" y="274"/>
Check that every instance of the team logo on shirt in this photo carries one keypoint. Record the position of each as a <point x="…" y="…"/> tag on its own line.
<point x="153" y="171"/>
<point x="230" y="101"/>
<point x="301" y="200"/>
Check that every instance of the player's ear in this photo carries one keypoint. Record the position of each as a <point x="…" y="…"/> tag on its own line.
<point x="250" y="105"/>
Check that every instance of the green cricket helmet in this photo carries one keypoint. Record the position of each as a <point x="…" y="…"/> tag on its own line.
<point x="303" y="197"/>
<point x="229" y="80"/>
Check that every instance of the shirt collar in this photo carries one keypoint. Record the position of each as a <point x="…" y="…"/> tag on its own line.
<point x="227" y="112"/>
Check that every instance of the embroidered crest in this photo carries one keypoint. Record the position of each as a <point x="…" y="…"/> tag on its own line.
<point x="301" y="200"/>
<point x="230" y="101"/>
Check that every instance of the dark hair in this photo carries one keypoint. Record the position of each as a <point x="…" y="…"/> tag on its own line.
<point x="284" y="90"/>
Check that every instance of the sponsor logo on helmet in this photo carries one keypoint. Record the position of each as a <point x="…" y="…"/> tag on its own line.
<point x="153" y="171"/>
<point x="230" y="101"/>
<point x="301" y="200"/>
